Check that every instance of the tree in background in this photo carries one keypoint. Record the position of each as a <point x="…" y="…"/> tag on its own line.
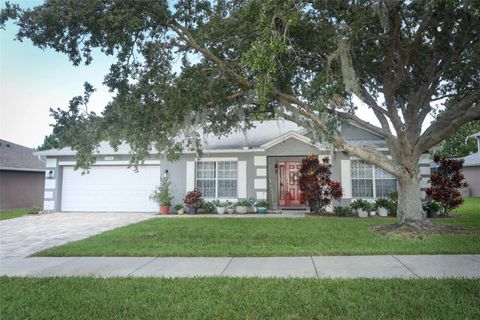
<point x="316" y="184"/>
<point x="446" y="182"/>
<point x="49" y="142"/>
<point x="456" y="146"/>
<point x="302" y="61"/>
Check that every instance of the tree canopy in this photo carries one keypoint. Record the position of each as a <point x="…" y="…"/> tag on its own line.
<point x="216" y="65"/>
<point x="49" y="142"/>
<point x="458" y="145"/>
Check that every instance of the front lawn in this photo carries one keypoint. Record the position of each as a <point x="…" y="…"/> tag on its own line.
<point x="14" y="213"/>
<point x="271" y="237"/>
<point x="236" y="298"/>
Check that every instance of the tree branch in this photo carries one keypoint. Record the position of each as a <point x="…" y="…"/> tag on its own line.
<point x="364" y="152"/>
<point x="463" y="111"/>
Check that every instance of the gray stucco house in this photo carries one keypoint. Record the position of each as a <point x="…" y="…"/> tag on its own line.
<point x="471" y="169"/>
<point x="261" y="163"/>
<point x="22" y="177"/>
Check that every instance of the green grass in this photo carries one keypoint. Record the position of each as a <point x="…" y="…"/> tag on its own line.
<point x="236" y="298"/>
<point x="272" y="237"/>
<point x="14" y="213"/>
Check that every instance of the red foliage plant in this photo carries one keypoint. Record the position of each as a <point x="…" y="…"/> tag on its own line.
<point x="316" y="184"/>
<point x="193" y="198"/>
<point x="446" y="182"/>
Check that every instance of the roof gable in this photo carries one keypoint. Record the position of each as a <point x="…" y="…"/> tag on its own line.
<point x="286" y="136"/>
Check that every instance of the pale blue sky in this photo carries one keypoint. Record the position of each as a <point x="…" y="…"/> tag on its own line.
<point x="33" y="80"/>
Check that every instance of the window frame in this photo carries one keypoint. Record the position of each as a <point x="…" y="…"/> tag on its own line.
<point x="373" y="178"/>
<point x="216" y="178"/>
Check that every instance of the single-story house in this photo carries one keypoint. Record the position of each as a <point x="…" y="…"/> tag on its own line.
<point x="261" y="163"/>
<point x="471" y="169"/>
<point x="22" y="177"/>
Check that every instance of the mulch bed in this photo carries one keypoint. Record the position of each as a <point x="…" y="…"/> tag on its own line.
<point x="332" y="214"/>
<point x="419" y="231"/>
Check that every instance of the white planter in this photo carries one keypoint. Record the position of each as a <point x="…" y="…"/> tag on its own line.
<point x="362" y="213"/>
<point x="241" y="209"/>
<point x="220" y="210"/>
<point x="230" y="210"/>
<point x="382" y="212"/>
<point x="373" y="213"/>
<point x="180" y="211"/>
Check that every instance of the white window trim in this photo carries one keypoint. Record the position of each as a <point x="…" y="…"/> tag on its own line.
<point x="216" y="161"/>
<point x="230" y="159"/>
<point x="374" y="179"/>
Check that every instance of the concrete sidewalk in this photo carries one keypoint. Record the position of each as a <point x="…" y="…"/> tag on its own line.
<point x="387" y="266"/>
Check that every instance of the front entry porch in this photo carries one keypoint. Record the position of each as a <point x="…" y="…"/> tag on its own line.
<point x="283" y="177"/>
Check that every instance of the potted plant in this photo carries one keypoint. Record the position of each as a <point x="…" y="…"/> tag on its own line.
<point x="230" y="207"/>
<point x="432" y="208"/>
<point x="342" y="211"/>
<point x="371" y="209"/>
<point x="35" y="210"/>
<point x="179" y="208"/>
<point x="361" y="206"/>
<point x="382" y="205"/>
<point x="262" y="206"/>
<point x="208" y="207"/>
<point x="162" y="195"/>
<point x="393" y="205"/>
<point x="242" y="206"/>
<point x="219" y="206"/>
<point x="193" y="200"/>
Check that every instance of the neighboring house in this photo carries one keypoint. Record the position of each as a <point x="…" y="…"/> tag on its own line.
<point x="261" y="163"/>
<point x="471" y="169"/>
<point x="22" y="177"/>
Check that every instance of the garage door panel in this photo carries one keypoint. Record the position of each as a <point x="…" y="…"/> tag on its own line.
<point x="110" y="188"/>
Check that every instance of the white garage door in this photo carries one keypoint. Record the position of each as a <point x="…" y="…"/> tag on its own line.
<point x="110" y="189"/>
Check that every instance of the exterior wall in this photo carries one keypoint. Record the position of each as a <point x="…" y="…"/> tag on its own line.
<point x="472" y="176"/>
<point x="177" y="172"/>
<point x="352" y="132"/>
<point x="289" y="150"/>
<point x="54" y="176"/>
<point x="258" y="177"/>
<point x="21" y="189"/>
<point x="424" y="169"/>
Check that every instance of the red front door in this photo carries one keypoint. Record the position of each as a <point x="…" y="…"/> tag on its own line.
<point x="289" y="193"/>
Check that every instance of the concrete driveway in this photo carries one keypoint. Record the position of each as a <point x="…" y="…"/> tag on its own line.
<point x="20" y="237"/>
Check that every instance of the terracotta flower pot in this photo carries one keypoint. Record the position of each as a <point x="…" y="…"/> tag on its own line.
<point x="164" y="209"/>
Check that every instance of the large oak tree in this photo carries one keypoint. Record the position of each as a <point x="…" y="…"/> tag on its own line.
<point x="216" y="65"/>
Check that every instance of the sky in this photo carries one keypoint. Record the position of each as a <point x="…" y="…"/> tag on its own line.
<point x="33" y="80"/>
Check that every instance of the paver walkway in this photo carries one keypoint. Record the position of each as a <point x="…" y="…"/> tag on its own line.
<point x="388" y="266"/>
<point x="20" y="237"/>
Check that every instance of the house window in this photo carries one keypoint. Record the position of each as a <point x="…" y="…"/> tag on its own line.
<point x="385" y="183"/>
<point x="369" y="181"/>
<point x="217" y="179"/>
<point x="362" y="179"/>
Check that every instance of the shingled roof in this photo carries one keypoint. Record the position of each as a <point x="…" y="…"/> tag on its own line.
<point x="252" y="139"/>
<point x="16" y="157"/>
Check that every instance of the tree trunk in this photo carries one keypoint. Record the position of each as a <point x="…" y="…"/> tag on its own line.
<point x="410" y="211"/>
